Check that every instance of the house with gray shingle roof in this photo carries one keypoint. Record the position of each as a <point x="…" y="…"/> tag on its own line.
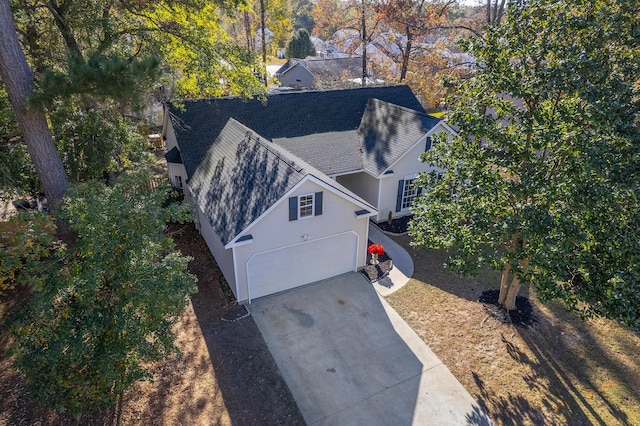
<point x="305" y="73"/>
<point x="283" y="190"/>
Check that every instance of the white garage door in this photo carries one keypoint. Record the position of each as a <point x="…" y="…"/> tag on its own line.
<point x="300" y="264"/>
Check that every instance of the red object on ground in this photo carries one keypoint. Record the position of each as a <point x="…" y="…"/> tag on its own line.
<point x="376" y="249"/>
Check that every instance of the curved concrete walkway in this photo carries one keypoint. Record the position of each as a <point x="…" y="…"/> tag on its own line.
<point x="402" y="270"/>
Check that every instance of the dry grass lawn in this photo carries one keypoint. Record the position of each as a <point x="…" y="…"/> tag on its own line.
<point x="558" y="371"/>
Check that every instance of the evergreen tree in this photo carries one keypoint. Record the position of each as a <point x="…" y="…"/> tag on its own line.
<point x="300" y="45"/>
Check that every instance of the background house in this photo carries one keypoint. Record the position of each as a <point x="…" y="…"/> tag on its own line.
<point x="307" y="73"/>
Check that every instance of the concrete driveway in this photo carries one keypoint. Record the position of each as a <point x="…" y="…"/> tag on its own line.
<point x="349" y="359"/>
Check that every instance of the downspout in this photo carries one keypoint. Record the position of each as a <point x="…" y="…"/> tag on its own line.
<point x="235" y="274"/>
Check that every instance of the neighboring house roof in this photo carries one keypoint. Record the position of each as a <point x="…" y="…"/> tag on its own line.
<point x="173" y="156"/>
<point x="198" y="123"/>
<point x="242" y="175"/>
<point x="291" y="63"/>
<point x="352" y="65"/>
<point x="386" y="132"/>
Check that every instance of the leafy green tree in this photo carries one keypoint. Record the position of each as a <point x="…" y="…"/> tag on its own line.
<point x="104" y="306"/>
<point x="300" y="45"/>
<point x="26" y="241"/>
<point x="111" y="49"/>
<point x="17" y="175"/>
<point x="95" y="143"/>
<point x="111" y="56"/>
<point x="541" y="182"/>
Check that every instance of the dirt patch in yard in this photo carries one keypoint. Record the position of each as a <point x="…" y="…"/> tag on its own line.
<point x="555" y="370"/>
<point x="225" y="374"/>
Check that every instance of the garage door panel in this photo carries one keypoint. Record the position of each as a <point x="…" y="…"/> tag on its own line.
<point x="289" y="267"/>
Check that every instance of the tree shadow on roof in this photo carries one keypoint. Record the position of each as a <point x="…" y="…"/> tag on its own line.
<point x="235" y="186"/>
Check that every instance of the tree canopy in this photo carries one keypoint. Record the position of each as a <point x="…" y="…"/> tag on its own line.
<point x="542" y="181"/>
<point x="108" y="58"/>
<point x="103" y="308"/>
<point x="105" y="299"/>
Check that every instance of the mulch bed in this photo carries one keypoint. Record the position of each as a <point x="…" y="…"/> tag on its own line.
<point x="397" y="226"/>
<point x="522" y="316"/>
<point x="379" y="271"/>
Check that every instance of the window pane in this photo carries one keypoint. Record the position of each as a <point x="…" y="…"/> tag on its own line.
<point x="306" y="205"/>
<point x="409" y="193"/>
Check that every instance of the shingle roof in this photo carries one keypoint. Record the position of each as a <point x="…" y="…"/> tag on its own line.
<point x="386" y="132"/>
<point x="352" y="65"/>
<point x="239" y="178"/>
<point x="242" y="175"/>
<point x="333" y="66"/>
<point x="332" y="153"/>
<point x="173" y="156"/>
<point x="284" y="115"/>
<point x="286" y="67"/>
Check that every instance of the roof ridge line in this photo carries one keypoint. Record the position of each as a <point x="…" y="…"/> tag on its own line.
<point x="424" y="114"/>
<point x="276" y="152"/>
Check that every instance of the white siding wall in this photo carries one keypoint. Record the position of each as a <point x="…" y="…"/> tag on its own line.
<point x="169" y="134"/>
<point x="275" y="230"/>
<point x="176" y="170"/>
<point x="408" y="165"/>
<point x="362" y="184"/>
<point x="297" y="77"/>
<point x="224" y="257"/>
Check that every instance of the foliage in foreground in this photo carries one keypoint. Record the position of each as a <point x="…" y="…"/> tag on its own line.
<point x="104" y="306"/>
<point x="542" y="180"/>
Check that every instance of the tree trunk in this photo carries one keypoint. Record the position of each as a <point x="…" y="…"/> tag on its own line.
<point x="247" y="31"/>
<point x="264" y="44"/>
<point x="500" y="12"/>
<point x="364" y="46"/>
<point x="488" y="12"/>
<point x="407" y="53"/>
<point x="510" y="301"/>
<point x="69" y="40"/>
<point x="514" y="288"/>
<point x="504" y="283"/>
<point x="19" y="81"/>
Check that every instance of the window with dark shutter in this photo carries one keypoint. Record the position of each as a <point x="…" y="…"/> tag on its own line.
<point x="305" y="206"/>
<point x="318" y="203"/>
<point x="428" y="144"/>
<point x="293" y="208"/>
<point x="399" y="196"/>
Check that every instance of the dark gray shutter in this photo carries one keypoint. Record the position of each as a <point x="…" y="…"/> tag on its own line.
<point x="293" y="208"/>
<point x="428" y="145"/>
<point x="318" y="203"/>
<point x="399" y="199"/>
